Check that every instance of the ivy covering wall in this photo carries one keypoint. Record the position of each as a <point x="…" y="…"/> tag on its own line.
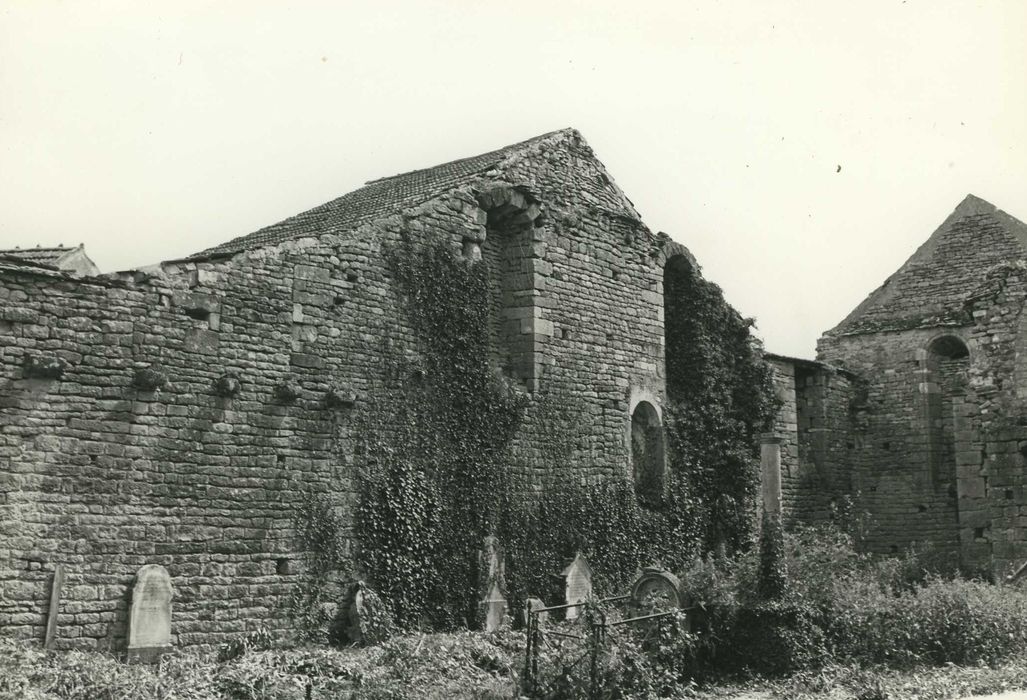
<point x="439" y="474"/>
<point x="719" y="398"/>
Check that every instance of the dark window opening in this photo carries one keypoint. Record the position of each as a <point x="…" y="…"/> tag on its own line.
<point x="198" y="314"/>
<point x="647" y="454"/>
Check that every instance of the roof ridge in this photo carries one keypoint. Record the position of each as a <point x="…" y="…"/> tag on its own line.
<point x="375" y="198"/>
<point x="37" y="249"/>
<point x="486" y="154"/>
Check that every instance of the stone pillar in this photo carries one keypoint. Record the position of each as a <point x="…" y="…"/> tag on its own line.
<point x="492" y="606"/>
<point x="770" y="472"/>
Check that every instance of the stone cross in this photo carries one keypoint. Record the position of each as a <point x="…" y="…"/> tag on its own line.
<point x="577" y="584"/>
<point x="493" y="605"/>
<point x="149" y="622"/>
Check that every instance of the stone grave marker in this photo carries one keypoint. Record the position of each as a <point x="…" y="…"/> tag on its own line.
<point x="149" y="622"/>
<point x="657" y="589"/>
<point x="577" y="584"/>
<point x="55" y="604"/>
<point x="493" y="605"/>
<point x="365" y="619"/>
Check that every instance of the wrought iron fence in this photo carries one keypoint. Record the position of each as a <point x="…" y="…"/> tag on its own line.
<point x="593" y="637"/>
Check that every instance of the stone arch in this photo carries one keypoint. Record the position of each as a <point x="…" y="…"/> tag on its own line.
<point x="668" y="249"/>
<point x="511" y="215"/>
<point x="648" y="458"/>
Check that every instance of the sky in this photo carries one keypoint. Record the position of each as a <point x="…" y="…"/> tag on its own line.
<point x="800" y="150"/>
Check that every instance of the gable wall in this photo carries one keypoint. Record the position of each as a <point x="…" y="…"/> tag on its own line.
<point x="103" y="477"/>
<point x="968" y="497"/>
<point x="929" y="290"/>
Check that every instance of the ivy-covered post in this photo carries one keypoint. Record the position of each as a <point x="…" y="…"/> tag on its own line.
<point x="772" y="578"/>
<point x="770" y="473"/>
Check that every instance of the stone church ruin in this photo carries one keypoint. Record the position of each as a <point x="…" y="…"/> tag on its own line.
<point x="174" y="416"/>
<point x="916" y="404"/>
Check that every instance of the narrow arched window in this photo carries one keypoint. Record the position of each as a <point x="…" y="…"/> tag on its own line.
<point x="947" y="365"/>
<point x="647" y="454"/>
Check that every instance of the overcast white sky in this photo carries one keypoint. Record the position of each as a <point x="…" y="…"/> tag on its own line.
<point x="151" y="131"/>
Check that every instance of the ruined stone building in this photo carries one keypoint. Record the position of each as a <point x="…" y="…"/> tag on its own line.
<point x="173" y="417"/>
<point x="917" y="405"/>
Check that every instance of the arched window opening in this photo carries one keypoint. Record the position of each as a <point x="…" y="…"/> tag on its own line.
<point x="947" y="374"/>
<point x="507" y="250"/>
<point x="647" y="454"/>
<point x="678" y="282"/>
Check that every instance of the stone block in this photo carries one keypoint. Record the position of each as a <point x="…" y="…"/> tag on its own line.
<point x="201" y="341"/>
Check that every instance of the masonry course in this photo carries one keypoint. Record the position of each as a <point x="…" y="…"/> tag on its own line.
<point x="164" y="438"/>
<point x="178" y="416"/>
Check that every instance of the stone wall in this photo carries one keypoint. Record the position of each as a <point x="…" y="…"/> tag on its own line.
<point x="142" y="421"/>
<point x="817" y="425"/>
<point x="941" y="459"/>
<point x="939" y="349"/>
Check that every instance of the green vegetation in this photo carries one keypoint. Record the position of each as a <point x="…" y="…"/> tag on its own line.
<point x="845" y="626"/>
<point x="439" y="473"/>
<point x="841" y="616"/>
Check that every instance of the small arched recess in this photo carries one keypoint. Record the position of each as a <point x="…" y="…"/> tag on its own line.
<point x="648" y="458"/>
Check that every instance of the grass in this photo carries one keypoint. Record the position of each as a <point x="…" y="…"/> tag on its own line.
<point x="472" y="666"/>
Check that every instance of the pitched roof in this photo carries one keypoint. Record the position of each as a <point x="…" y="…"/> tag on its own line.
<point x="46" y="257"/>
<point x="930" y="287"/>
<point x="376" y="199"/>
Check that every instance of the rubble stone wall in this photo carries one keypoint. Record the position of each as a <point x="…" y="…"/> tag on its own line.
<point x="141" y="419"/>
<point x="816" y="424"/>
<point x="941" y="458"/>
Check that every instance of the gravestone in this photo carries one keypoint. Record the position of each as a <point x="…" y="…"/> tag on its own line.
<point x="365" y="618"/>
<point x="657" y="589"/>
<point x="493" y="605"/>
<point x="149" y="621"/>
<point x="577" y="579"/>
<point x="55" y="604"/>
<point x="536" y="604"/>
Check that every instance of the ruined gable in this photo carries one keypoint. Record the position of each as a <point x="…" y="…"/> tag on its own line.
<point x="930" y="288"/>
<point x="191" y="409"/>
<point x="937" y="454"/>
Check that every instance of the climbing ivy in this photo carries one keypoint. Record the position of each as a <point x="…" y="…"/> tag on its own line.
<point x="719" y="398"/>
<point x="439" y="472"/>
<point x="319" y="531"/>
<point x="435" y="487"/>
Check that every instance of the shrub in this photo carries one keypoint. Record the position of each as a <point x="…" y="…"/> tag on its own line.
<point x="840" y="606"/>
<point x="955" y="621"/>
<point x="770" y="582"/>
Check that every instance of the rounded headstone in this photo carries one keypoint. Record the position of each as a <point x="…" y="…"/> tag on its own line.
<point x="658" y="589"/>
